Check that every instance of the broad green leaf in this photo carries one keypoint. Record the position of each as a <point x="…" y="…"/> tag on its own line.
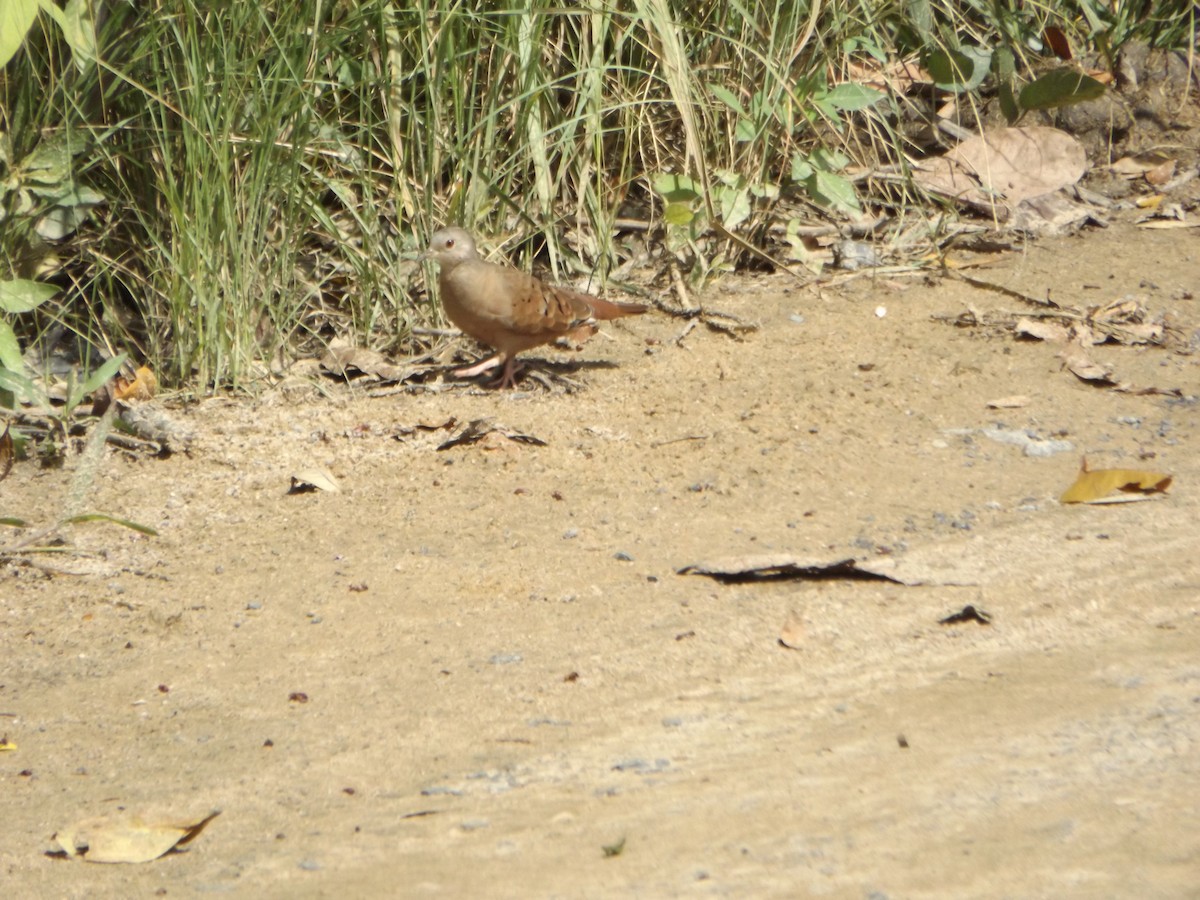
<point x="853" y="97"/>
<point x="16" y="17"/>
<point x="1009" y="108"/>
<point x="1061" y="87"/>
<point x="10" y="350"/>
<point x="801" y="167"/>
<point x="16" y="384"/>
<point x="832" y="190"/>
<point x="79" y="29"/>
<point x="734" y="204"/>
<point x="727" y="97"/>
<point x="102" y="374"/>
<point x="21" y="295"/>
<point x="674" y="187"/>
<point x="679" y="213"/>
<point x="829" y="160"/>
<point x="959" y="70"/>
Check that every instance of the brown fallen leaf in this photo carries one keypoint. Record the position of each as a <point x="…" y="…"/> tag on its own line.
<point x="1084" y="367"/>
<point x="314" y="480"/>
<point x="1162" y="174"/>
<point x="6" y="453"/>
<point x="793" y="634"/>
<point x="1015" y="402"/>
<point x="1114" y="485"/>
<point x="126" y="838"/>
<point x="1042" y="330"/>
<point x="143" y="386"/>
<point x="492" y="434"/>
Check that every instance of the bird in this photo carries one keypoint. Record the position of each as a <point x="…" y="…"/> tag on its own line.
<point x="507" y="309"/>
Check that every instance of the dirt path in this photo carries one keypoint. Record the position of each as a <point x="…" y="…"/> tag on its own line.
<point x="503" y="673"/>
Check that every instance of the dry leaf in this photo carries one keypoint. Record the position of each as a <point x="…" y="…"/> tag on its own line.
<point x="342" y="360"/>
<point x="997" y="170"/>
<point x="143" y="386"/>
<point x="793" y="634"/>
<point x="1161" y="174"/>
<point x="1164" y="224"/>
<point x="1014" y="402"/>
<point x="1114" y="485"/>
<point x="6" y="453"/>
<point x="1084" y="367"/>
<point x="1043" y="330"/>
<point x="492" y="434"/>
<point x="1139" y="164"/>
<point x="314" y="480"/>
<point x="128" y="838"/>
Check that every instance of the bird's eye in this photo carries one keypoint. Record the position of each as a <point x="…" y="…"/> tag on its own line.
<point x="449" y="243"/>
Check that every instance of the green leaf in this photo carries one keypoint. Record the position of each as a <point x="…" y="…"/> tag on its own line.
<point x="832" y="191"/>
<point x="17" y="385"/>
<point x="679" y="213"/>
<point x="959" y="70"/>
<point x="801" y="167"/>
<point x="103" y="517"/>
<point x="102" y="374"/>
<point x="79" y="29"/>
<point x="16" y="17"/>
<point x="10" y="349"/>
<point x="853" y="97"/>
<point x="734" y="204"/>
<point x="1009" y="107"/>
<point x="1061" y="87"/>
<point x="727" y="97"/>
<point x="21" y="295"/>
<point x="15" y="523"/>
<point x="829" y="160"/>
<point x="673" y="187"/>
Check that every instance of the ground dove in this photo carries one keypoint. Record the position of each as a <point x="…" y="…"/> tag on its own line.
<point x="507" y="309"/>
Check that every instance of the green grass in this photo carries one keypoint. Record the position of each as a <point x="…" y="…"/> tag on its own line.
<point x="231" y="184"/>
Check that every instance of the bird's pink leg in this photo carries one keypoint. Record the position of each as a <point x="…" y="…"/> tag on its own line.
<point x="508" y="379"/>
<point x="478" y="367"/>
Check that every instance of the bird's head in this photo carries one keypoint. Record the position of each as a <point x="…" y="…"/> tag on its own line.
<point x="451" y="246"/>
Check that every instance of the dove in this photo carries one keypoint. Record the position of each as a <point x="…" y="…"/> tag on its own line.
<point x="507" y="309"/>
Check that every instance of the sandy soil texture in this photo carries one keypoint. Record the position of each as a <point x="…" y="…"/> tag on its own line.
<point x="473" y="669"/>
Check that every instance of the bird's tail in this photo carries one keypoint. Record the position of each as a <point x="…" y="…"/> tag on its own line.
<point x="613" y="309"/>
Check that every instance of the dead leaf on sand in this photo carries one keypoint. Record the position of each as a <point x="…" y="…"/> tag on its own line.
<point x="1084" y="367"/>
<point x="6" y="453"/>
<point x="492" y="434"/>
<point x="127" y="838"/>
<point x="793" y="634"/>
<point x="313" y="480"/>
<point x="996" y="171"/>
<point x="1115" y="485"/>
<point x="343" y="361"/>
<point x="1015" y="402"/>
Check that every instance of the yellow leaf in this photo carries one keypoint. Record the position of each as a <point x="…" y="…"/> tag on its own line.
<point x="1114" y="485"/>
<point x="6" y="744"/>
<point x="127" y="838"/>
<point x="143" y="386"/>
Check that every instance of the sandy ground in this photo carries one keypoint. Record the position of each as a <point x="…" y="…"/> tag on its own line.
<point x="472" y="669"/>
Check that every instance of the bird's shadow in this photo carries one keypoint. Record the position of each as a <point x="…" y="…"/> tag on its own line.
<point x="549" y="374"/>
